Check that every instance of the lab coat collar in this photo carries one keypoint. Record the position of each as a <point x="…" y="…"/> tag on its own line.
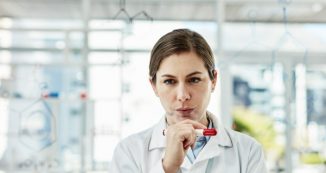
<point x="222" y="138"/>
<point x="212" y="148"/>
<point x="216" y="143"/>
<point x="157" y="139"/>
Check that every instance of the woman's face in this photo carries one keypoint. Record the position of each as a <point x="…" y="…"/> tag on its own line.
<point x="184" y="87"/>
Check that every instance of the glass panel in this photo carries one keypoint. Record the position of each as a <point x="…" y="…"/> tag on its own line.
<point x="104" y="58"/>
<point x="5" y="38"/>
<point x="259" y="107"/>
<point x="107" y="24"/>
<point x="71" y="138"/>
<point x="46" y="81"/>
<point x="45" y="23"/>
<point x="39" y="39"/>
<point x="107" y="117"/>
<point x="104" y="148"/>
<point x="32" y="123"/>
<point x="4" y="114"/>
<point x="37" y="57"/>
<point x="311" y="124"/>
<point x="107" y="125"/>
<point x="5" y="57"/>
<point x="141" y="108"/>
<point x="5" y="72"/>
<point x="32" y="135"/>
<point x="144" y="34"/>
<point x="104" y="40"/>
<point x="75" y="56"/>
<point x="76" y="40"/>
<point x="45" y="105"/>
<point x="292" y="37"/>
<point x="105" y="82"/>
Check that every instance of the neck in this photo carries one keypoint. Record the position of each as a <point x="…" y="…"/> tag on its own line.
<point x="204" y="120"/>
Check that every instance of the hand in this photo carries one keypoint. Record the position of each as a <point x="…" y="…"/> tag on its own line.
<point x="179" y="138"/>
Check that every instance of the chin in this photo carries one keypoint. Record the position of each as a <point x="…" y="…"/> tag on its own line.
<point x="185" y="117"/>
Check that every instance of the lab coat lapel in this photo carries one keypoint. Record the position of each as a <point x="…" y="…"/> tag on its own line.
<point x="213" y="148"/>
<point x="186" y="164"/>
<point x="216" y="144"/>
<point x="157" y="138"/>
<point x="210" y="150"/>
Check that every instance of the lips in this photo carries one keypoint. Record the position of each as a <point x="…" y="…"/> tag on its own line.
<point x="185" y="111"/>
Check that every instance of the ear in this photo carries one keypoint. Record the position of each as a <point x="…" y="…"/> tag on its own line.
<point x="153" y="84"/>
<point x="214" y="81"/>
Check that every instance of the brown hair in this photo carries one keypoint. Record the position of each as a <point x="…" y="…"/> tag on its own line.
<point x="179" y="41"/>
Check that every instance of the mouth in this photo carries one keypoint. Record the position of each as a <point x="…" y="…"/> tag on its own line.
<point x="185" y="111"/>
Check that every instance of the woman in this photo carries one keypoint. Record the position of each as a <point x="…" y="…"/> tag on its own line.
<point x="182" y="74"/>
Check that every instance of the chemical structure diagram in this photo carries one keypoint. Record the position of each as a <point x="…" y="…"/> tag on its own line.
<point x="37" y="123"/>
<point x="39" y="164"/>
<point x="274" y="55"/>
<point x="32" y="122"/>
<point x="37" y="126"/>
<point x="254" y="43"/>
<point x="287" y="39"/>
<point x="130" y="18"/>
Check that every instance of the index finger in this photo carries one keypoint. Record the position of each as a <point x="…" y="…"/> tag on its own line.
<point x="195" y="124"/>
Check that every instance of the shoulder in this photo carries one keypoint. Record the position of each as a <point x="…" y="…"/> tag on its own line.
<point x="136" y="140"/>
<point x="250" y="152"/>
<point x="128" y="152"/>
<point x="242" y="140"/>
<point x="132" y="148"/>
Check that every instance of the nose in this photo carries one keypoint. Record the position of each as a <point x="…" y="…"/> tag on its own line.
<point x="183" y="93"/>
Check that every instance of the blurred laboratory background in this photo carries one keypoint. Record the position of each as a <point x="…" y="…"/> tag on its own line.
<point x="74" y="77"/>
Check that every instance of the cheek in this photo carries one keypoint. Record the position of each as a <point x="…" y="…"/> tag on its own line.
<point x="165" y="94"/>
<point x="202" y="93"/>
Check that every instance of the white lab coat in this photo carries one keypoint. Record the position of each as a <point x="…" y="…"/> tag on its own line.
<point x="228" y="152"/>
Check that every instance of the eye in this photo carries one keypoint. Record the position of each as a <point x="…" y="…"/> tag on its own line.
<point x="169" y="81"/>
<point x="194" y="80"/>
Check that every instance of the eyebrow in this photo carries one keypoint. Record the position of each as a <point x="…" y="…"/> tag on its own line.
<point x="191" y="74"/>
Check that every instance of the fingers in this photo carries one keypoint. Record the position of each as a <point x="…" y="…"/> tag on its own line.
<point x="184" y="132"/>
<point x="195" y="124"/>
<point x="180" y="137"/>
<point x="189" y="140"/>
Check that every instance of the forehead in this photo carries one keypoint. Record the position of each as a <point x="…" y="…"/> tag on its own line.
<point x="182" y="63"/>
